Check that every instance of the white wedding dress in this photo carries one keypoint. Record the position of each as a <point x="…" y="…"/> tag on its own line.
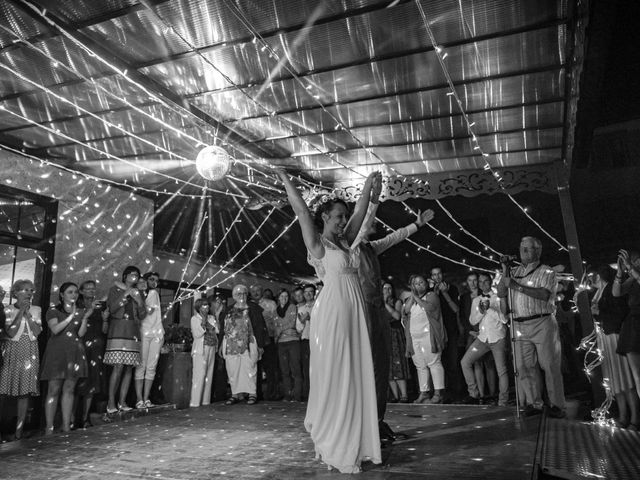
<point x="341" y="415"/>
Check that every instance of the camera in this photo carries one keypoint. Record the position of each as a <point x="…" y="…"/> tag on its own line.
<point x="508" y="260"/>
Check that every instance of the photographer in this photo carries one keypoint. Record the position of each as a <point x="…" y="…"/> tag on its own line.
<point x="488" y="311"/>
<point x="532" y="288"/>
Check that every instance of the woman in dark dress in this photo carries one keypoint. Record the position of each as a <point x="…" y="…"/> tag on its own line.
<point x="94" y="344"/>
<point x="64" y="361"/>
<point x="126" y="310"/>
<point x="629" y="342"/>
<point x="399" y="371"/>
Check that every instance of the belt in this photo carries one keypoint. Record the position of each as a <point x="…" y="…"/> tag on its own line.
<point x="532" y="317"/>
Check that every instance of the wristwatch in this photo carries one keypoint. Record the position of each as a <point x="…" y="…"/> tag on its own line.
<point x="520" y="289"/>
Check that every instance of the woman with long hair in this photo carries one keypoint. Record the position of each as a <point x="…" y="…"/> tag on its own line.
<point x="126" y="311"/>
<point x="94" y="343"/>
<point x="64" y="361"/>
<point x="342" y="413"/>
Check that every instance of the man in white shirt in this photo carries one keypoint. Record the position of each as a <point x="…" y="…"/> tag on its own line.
<point x="303" y="323"/>
<point x="488" y="311"/>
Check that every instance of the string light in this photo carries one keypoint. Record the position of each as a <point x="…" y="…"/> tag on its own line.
<point x="449" y="239"/>
<point x="193" y="248"/>
<point x="215" y="250"/>
<point x="232" y="259"/>
<point x="474" y="139"/>
<point x="448" y="213"/>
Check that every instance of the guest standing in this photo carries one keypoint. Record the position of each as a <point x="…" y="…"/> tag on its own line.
<point x="426" y="339"/>
<point x="20" y="357"/>
<point x="126" y="311"/>
<point x="152" y="338"/>
<point x="288" y="341"/>
<point x="204" y="329"/>
<point x="240" y="347"/>
<point x="629" y="343"/>
<point x="608" y="311"/>
<point x="302" y="326"/>
<point x="399" y="367"/>
<point x="94" y="343"/>
<point x="64" y="361"/>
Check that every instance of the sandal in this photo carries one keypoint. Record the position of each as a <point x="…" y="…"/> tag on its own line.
<point x="252" y="400"/>
<point x="231" y="401"/>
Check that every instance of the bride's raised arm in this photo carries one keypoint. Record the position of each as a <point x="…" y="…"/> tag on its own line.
<point x="360" y="210"/>
<point x="309" y="232"/>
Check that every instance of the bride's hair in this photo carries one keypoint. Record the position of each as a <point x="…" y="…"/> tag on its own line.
<point x="325" y="206"/>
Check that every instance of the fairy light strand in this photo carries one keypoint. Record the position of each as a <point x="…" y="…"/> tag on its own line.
<point x="193" y="249"/>
<point x="240" y="250"/>
<point x="449" y="239"/>
<point x="467" y="232"/>
<point x="217" y="247"/>
<point x="474" y="139"/>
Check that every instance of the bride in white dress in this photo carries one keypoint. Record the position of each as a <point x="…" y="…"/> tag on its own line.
<point x="341" y="415"/>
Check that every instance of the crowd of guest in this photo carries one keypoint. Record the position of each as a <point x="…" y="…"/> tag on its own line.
<point x="445" y="346"/>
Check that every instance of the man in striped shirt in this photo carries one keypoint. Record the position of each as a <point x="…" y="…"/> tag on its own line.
<point x="533" y="287"/>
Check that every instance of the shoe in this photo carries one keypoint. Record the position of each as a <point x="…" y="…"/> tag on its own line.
<point x="251" y="400"/>
<point x="87" y="423"/>
<point x="111" y="411"/>
<point x="633" y="427"/>
<point x="124" y="407"/>
<point x="469" y="400"/>
<point x="488" y="401"/>
<point x="148" y="404"/>
<point x="556" y="412"/>
<point x="231" y="401"/>
<point x="530" y="411"/>
<point x="422" y="398"/>
<point x="404" y="400"/>
<point x="140" y="405"/>
<point x="436" y="399"/>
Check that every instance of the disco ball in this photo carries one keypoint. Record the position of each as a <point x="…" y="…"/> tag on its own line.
<point x="213" y="162"/>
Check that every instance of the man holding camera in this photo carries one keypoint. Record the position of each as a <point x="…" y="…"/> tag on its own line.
<point x="487" y="311"/>
<point x="531" y="287"/>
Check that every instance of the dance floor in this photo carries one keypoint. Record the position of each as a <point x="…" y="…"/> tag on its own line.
<point x="268" y="441"/>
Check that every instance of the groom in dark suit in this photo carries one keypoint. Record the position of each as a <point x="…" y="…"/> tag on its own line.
<point x="371" y="284"/>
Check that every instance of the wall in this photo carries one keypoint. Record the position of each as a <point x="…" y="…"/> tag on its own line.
<point x="99" y="230"/>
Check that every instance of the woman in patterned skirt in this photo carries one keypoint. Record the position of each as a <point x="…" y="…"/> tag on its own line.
<point x="20" y="358"/>
<point x="126" y="310"/>
<point x="64" y="361"/>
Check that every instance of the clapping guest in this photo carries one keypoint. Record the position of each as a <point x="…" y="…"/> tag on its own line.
<point x="205" y="329"/>
<point x="608" y="311"/>
<point x="94" y="343"/>
<point x="126" y="311"/>
<point x="288" y="340"/>
<point x="64" y="361"/>
<point x="152" y="338"/>
<point x="426" y="339"/>
<point x="487" y="311"/>
<point x="20" y="359"/>
<point x="629" y="343"/>
<point x="399" y="367"/>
